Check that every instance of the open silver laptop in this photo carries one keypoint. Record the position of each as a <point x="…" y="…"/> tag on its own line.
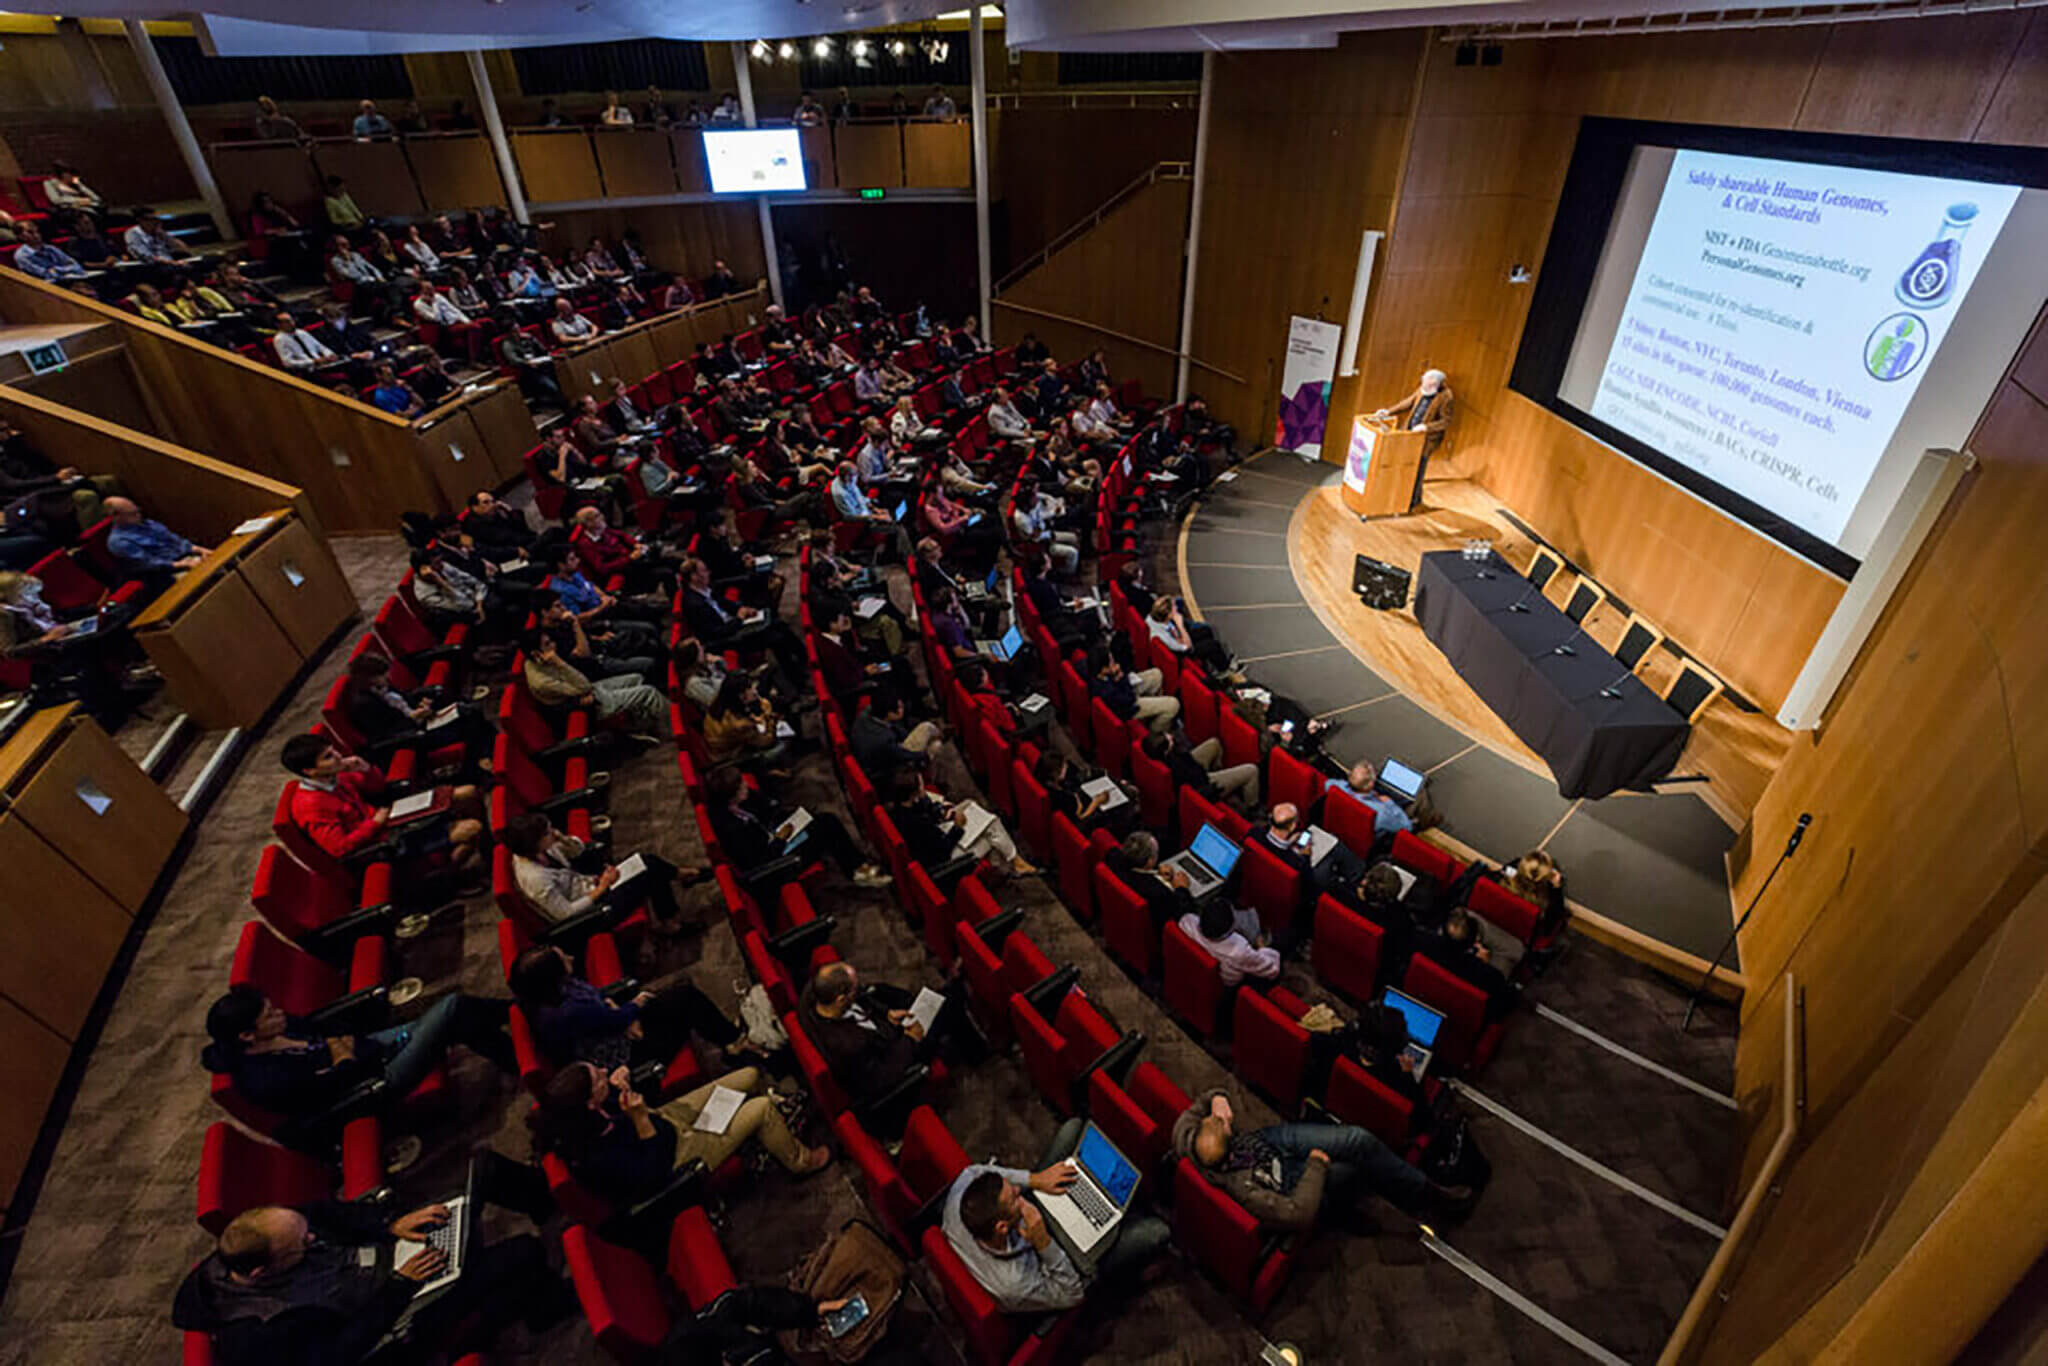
<point x="454" y="1238"/>
<point x="1004" y="649"/>
<point x="1082" y="1216"/>
<point x="1208" y="862"/>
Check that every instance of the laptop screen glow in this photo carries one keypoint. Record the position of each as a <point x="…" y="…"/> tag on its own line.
<point x="1401" y="779"/>
<point x="1423" y="1023"/>
<point x="1013" y="641"/>
<point x="1217" y="850"/>
<point x="1103" y="1162"/>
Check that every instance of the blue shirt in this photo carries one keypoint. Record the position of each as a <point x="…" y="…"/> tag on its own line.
<point x="148" y="545"/>
<point x="372" y="125"/>
<point x="1387" y="816"/>
<point x="391" y="400"/>
<point x="577" y="593"/>
<point x="849" y="499"/>
<point x="46" y="262"/>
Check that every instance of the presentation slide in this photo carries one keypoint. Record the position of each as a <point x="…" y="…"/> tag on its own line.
<point x="1779" y="320"/>
<point x="751" y="160"/>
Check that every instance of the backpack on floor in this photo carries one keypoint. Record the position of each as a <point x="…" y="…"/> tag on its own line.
<point x="857" y="1260"/>
<point x="1453" y="1157"/>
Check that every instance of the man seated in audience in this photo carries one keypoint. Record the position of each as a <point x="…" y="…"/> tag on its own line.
<point x="1285" y="1174"/>
<point x="1283" y="835"/>
<point x="1235" y="939"/>
<point x="721" y="281"/>
<point x="1049" y="390"/>
<point x="335" y="808"/>
<point x="753" y="831"/>
<point x="569" y="327"/>
<point x="1167" y="624"/>
<point x="622" y="414"/>
<point x="1065" y="795"/>
<point x="1458" y="949"/>
<point x="1135" y="863"/>
<point x="883" y="740"/>
<point x="723" y="626"/>
<point x="289" y="1069"/>
<point x="500" y="529"/>
<point x="1198" y="425"/>
<point x="1388" y="815"/>
<point x="394" y="395"/>
<point x="868" y="389"/>
<point x="559" y="878"/>
<point x="38" y="258"/>
<point x="624" y="305"/>
<point x="1001" y="1235"/>
<point x="677" y="293"/>
<point x="865" y="1031"/>
<point x="150" y="242"/>
<point x="573" y="1021"/>
<point x="1131" y="695"/>
<point x="67" y="191"/>
<point x="622" y="698"/>
<point x="146" y="548"/>
<point x="938" y="831"/>
<point x="460" y="334"/>
<point x="850" y="500"/>
<point x="636" y="619"/>
<point x="311" y="1284"/>
<point x="371" y="124"/>
<point x="1032" y="520"/>
<point x="608" y="551"/>
<point x="625" y="1150"/>
<point x="1070" y="625"/>
<point x="390" y="719"/>
<point x="298" y="350"/>
<point x="533" y="366"/>
<point x="777" y="333"/>
<point x="594" y="650"/>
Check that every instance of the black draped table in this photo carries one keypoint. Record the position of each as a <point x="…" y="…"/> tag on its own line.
<point x="1593" y="721"/>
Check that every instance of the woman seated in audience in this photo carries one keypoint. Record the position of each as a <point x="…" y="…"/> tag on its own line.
<point x="573" y="1021"/>
<point x="1536" y="878"/>
<point x="699" y="673"/>
<point x="733" y="564"/>
<point x="677" y="293"/>
<point x="561" y="878"/>
<point x="624" y="699"/>
<point x="1235" y="939"/>
<point x="971" y="537"/>
<point x="1064" y="796"/>
<point x="838" y="357"/>
<point x="1091" y="431"/>
<point x="462" y="291"/>
<point x="625" y="1150"/>
<point x="904" y="423"/>
<point x="570" y="272"/>
<point x="740" y="726"/>
<point x="417" y="253"/>
<point x="597" y="258"/>
<point x="80" y="651"/>
<point x="1094" y="369"/>
<point x="753" y="830"/>
<point x="386" y="257"/>
<point x="388" y="719"/>
<point x="754" y="489"/>
<point x="938" y="831"/>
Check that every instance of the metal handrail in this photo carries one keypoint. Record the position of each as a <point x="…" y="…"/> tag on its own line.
<point x="1120" y="336"/>
<point x="1164" y="170"/>
<point x="1166" y="94"/>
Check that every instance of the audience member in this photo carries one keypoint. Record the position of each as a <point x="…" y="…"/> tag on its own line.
<point x="623" y="698"/>
<point x="1233" y="937"/>
<point x="753" y="831"/>
<point x="552" y="870"/>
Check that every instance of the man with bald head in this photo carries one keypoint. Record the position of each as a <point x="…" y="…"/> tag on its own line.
<point x="866" y="1032"/>
<point x="290" y="1285"/>
<point x="1284" y="1175"/>
<point x="148" y="549"/>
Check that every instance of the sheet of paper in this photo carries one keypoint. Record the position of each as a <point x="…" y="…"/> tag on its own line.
<point x="1321" y="842"/>
<point x="979" y="819"/>
<point x="868" y="607"/>
<point x="1036" y="702"/>
<point x="443" y="717"/>
<point x="926" y="1008"/>
<point x="252" y="526"/>
<point x="784" y="731"/>
<point x="632" y="866"/>
<point x="413" y="805"/>
<point x="798" y="822"/>
<point x="716" y="1116"/>
<point x="1105" y="786"/>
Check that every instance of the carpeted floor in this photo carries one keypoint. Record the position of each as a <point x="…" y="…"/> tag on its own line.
<point x="113" y="1232"/>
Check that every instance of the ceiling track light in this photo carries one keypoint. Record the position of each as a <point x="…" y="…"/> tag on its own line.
<point x="760" y="50"/>
<point x="786" y="51"/>
<point x="822" y="49"/>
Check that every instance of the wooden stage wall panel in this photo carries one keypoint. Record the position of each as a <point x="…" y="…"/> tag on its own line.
<point x="682" y="237"/>
<point x="869" y="154"/>
<point x="378" y="176"/>
<point x="937" y="155"/>
<point x="284" y="169"/>
<point x="820" y="172"/>
<point x="1050" y="167"/>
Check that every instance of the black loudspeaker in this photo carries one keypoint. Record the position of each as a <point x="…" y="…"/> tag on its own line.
<point x="1379" y="584"/>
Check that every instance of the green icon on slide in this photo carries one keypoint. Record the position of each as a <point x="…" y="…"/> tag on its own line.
<point x="1896" y="347"/>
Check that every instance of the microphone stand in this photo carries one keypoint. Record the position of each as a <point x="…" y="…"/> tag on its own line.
<point x="1791" y="848"/>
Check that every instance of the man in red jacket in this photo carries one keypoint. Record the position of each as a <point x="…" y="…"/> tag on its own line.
<point x="607" y="550"/>
<point x="334" y="806"/>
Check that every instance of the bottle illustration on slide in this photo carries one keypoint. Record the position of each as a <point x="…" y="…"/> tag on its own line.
<point x="1928" y="282"/>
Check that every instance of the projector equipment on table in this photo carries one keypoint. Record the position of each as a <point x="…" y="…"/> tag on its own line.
<point x="1379" y="584"/>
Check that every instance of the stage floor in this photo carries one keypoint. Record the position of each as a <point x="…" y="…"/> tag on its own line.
<point x="1266" y="559"/>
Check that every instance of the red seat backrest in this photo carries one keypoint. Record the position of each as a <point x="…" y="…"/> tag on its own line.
<point x="825" y="1089"/>
<point x="1355" y="1096"/>
<point x="1034" y="809"/>
<point x="1269" y="885"/>
<point x="1240" y="737"/>
<point x="1025" y="965"/>
<point x="930" y="1157"/>
<point x="1112" y="741"/>
<point x="294" y="900"/>
<point x="620" y="1294"/>
<point x="237" y="1172"/>
<point x="1076" y="859"/>
<point x="1197" y="707"/>
<point x="697" y="1265"/>
<point x="988" y="1329"/>
<point x="1463" y="1005"/>
<point x="1155" y="791"/>
<point x="1346" y="950"/>
<point x="1424" y="858"/>
<point x="1139" y="1136"/>
<point x="1046" y="1056"/>
<point x="1217" y="1230"/>
<point x="1272" y="1051"/>
<point x="1349" y="819"/>
<point x="1290" y="780"/>
<point x="1501" y="906"/>
<point x="1127" y="928"/>
<point x="1194" y="986"/>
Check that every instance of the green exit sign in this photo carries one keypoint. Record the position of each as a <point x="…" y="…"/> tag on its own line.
<point x="875" y="192"/>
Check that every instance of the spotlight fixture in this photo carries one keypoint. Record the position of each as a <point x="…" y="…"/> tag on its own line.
<point x="861" y="47"/>
<point x="941" y="50"/>
<point x="786" y="51"/>
<point x="822" y="49"/>
<point x="896" y="48"/>
<point x="760" y="50"/>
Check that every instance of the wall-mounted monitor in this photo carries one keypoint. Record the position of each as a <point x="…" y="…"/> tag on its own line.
<point x="753" y="160"/>
<point x="1781" y="323"/>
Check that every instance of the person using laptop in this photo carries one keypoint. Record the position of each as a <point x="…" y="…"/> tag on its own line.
<point x="1166" y="891"/>
<point x="290" y="1284"/>
<point x="1361" y="784"/>
<point x="1235" y="939"/>
<point x="938" y="831"/>
<point x="1458" y="950"/>
<point x="1004" y="1240"/>
<point x="1286" y="1175"/>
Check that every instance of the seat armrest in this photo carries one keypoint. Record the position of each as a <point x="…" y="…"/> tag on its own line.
<point x="323" y="1124"/>
<point x="562" y="801"/>
<point x="948" y="874"/>
<point x="776" y="870"/>
<point x="793" y="947"/>
<point x="580" y="926"/>
<point x="350" y="1014"/>
<point x="1114" y="1061"/>
<point x="1053" y="988"/>
<point x="582" y="744"/>
<point x="994" y="930"/>
<point x="336" y="939"/>
<point x="912" y="1081"/>
<point x="623" y="989"/>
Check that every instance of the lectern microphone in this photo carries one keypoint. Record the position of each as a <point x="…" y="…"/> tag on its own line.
<point x="1566" y="647"/>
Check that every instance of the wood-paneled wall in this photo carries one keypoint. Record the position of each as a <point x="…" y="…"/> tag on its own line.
<point x="360" y="467"/>
<point x="1050" y="167"/>
<point x="678" y="237"/>
<point x="1477" y="192"/>
<point x="1305" y="150"/>
<point x="1124" y="274"/>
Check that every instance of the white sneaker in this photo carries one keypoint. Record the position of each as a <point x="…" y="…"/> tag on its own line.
<point x="871" y="877"/>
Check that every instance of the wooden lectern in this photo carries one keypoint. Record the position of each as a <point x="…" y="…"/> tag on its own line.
<point x="1380" y="468"/>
